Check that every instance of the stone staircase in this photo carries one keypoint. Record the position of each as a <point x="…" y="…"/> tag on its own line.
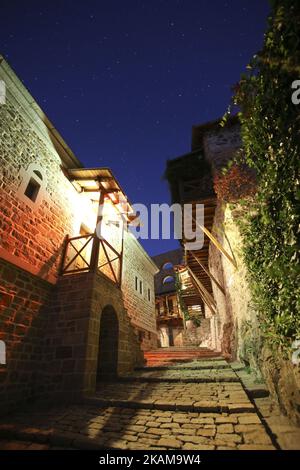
<point x="171" y="355"/>
<point x="196" y="405"/>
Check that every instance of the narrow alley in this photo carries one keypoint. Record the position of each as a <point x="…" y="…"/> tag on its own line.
<point x="186" y="399"/>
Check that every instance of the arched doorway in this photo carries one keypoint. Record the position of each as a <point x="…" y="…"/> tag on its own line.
<point x="108" y="344"/>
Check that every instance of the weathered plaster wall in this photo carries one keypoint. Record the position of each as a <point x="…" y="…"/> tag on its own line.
<point x="283" y="380"/>
<point x="239" y="331"/>
<point x="234" y="308"/>
<point x="197" y="335"/>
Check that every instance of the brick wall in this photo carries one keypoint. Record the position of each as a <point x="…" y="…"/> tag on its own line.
<point x="22" y="321"/>
<point x="141" y="310"/>
<point x="32" y="235"/>
<point x="221" y="144"/>
<point x="71" y="342"/>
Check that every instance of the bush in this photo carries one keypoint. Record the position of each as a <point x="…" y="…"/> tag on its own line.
<point x="237" y="182"/>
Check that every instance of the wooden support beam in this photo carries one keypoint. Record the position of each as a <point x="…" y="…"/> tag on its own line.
<point x="96" y="243"/>
<point x="213" y="311"/>
<point x="202" y="292"/>
<point x="215" y="242"/>
<point x="109" y="262"/>
<point x="78" y="253"/>
<point x="121" y="255"/>
<point x="205" y="291"/>
<point x="208" y="273"/>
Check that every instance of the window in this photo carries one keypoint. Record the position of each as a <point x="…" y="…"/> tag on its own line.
<point x="38" y="174"/>
<point x="167" y="266"/>
<point x="141" y="287"/>
<point x="170" y="305"/>
<point x="136" y="283"/>
<point x="149" y="294"/>
<point x="32" y="189"/>
<point x="141" y="335"/>
<point x="168" y="280"/>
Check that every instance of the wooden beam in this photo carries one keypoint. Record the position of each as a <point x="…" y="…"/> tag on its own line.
<point x="208" y="273"/>
<point x="96" y="243"/>
<point x="215" y="242"/>
<point x="77" y="252"/>
<point x="205" y="291"/>
<point x="213" y="311"/>
<point x="109" y="262"/>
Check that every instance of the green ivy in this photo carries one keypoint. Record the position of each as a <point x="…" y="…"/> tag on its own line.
<point x="270" y="127"/>
<point x="180" y="297"/>
<point x="196" y="319"/>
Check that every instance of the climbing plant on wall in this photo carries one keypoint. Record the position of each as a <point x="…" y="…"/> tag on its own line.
<point x="182" y="305"/>
<point x="270" y="127"/>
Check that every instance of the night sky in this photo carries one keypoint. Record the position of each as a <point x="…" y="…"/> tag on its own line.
<point x="124" y="81"/>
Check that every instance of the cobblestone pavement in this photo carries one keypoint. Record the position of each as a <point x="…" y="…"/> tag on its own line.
<point x="200" y="409"/>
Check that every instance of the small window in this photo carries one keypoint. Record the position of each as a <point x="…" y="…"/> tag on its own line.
<point x="149" y="294"/>
<point x="136" y="283"/>
<point x="141" y="335"/>
<point x="38" y="174"/>
<point x="32" y="189"/>
<point x="141" y="287"/>
<point x="168" y="280"/>
<point x="167" y="266"/>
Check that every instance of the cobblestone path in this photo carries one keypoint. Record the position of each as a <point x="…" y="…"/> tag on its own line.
<point x="197" y="405"/>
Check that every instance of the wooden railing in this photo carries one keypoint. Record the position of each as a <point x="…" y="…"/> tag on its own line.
<point x="167" y="314"/>
<point x="78" y="257"/>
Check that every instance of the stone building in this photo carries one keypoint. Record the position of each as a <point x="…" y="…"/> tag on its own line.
<point x="191" y="182"/>
<point x="169" y="316"/>
<point x="215" y="277"/>
<point x="74" y="306"/>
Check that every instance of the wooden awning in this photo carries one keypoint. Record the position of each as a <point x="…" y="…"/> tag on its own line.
<point x="95" y="180"/>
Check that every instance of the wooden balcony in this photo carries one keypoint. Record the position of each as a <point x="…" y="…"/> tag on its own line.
<point x="88" y="253"/>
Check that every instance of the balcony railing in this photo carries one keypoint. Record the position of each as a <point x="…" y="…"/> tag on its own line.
<point x="168" y="314"/>
<point x="80" y="256"/>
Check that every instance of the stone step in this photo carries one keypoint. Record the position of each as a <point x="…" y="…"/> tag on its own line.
<point x="183" y="367"/>
<point x="180" y="405"/>
<point x="169" y="361"/>
<point x="90" y="427"/>
<point x="254" y="388"/>
<point x="176" y="355"/>
<point x="211" y="379"/>
<point x="174" y="395"/>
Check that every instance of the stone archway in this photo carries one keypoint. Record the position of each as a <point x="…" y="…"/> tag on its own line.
<point x="108" y="344"/>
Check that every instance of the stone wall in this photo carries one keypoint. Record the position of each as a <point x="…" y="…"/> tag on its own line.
<point x="22" y="324"/>
<point x="71" y="342"/>
<point x="141" y="308"/>
<point x="197" y="335"/>
<point x="239" y="335"/>
<point x="234" y="308"/>
<point x="220" y="144"/>
<point x="52" y="335"/>
<point x="32" y="234"/>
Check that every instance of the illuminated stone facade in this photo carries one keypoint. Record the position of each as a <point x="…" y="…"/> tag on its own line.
<point x="51" y="323"/>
